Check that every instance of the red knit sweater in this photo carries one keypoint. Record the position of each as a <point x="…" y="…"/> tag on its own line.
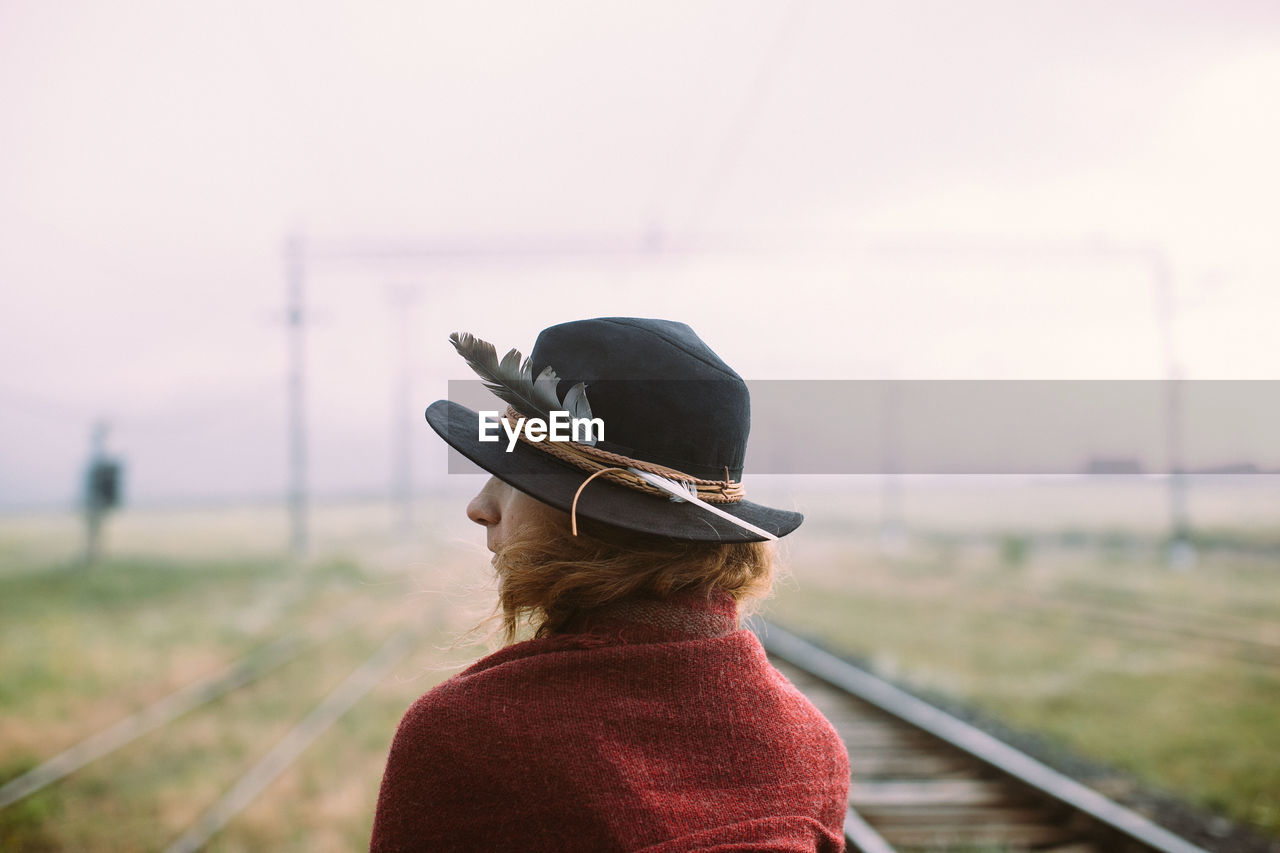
<point x="653" y="726"/>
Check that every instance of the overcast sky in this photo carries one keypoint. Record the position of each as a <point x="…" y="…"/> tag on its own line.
<point x="156" y="156"/>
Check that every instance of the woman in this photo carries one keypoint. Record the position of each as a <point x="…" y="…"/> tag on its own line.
<point x="640" y="716"/>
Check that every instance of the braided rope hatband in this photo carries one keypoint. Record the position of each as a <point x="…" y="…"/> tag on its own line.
<point x="612" y="467"/>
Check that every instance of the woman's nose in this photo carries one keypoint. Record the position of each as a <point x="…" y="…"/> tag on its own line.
<point x="483" y="509"/>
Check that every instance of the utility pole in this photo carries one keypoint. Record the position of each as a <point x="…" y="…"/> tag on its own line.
<point x="893" y="537"/>
<point x="295" y="275"/>
<point x="402" y="300"/>
<point x="1181" y="553"/>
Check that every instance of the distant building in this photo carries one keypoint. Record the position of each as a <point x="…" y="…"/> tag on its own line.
<point x="1113" y="465"/>
<point x="1231" y="468"/>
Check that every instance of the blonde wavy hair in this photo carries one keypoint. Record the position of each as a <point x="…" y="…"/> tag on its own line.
<point x="546" y="575"/>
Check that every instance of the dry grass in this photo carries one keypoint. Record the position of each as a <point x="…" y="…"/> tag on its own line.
<point x="83" y="648"/>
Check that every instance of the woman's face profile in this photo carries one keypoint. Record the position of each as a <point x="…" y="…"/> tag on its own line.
<point x="502" y="509"/>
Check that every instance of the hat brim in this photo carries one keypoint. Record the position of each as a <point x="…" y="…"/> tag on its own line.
<point x="554" y="482"/>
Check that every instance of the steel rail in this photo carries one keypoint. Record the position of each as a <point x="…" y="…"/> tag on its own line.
<point x="165" y="710"/>
<point x="862" y="836"/>
<point x="158" y="714"/>
<point x="361" y="680"/>
<point x="1223" y="645"/>
<point x="965" y="737"/>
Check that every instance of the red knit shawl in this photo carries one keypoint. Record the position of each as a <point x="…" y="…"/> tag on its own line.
<point x="653" y="726"/>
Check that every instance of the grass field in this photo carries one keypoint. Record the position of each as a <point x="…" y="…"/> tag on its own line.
<point x="81" y="648"/>
<point x="1073" y="642"/>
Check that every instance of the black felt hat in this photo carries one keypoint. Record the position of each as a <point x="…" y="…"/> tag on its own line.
<point x="665" y="398"/>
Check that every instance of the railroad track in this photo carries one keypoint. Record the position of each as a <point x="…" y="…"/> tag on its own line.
<point x="1191" y="635"/>
<point x="922" y="779"/>
<point x="236" y="676"/>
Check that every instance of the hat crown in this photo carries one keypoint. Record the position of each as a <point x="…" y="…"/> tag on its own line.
<point x="663" y="394"/>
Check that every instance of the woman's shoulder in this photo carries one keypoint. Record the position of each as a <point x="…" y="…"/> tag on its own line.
<point x="576" y="677"/>
<point x="606" y="718"/>
<point x="594" y="664"/>
<point x="496" y="682"/>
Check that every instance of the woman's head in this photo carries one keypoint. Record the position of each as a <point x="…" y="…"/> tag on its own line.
<point x="546" y="575"/>
<point x="667" y="447"/>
